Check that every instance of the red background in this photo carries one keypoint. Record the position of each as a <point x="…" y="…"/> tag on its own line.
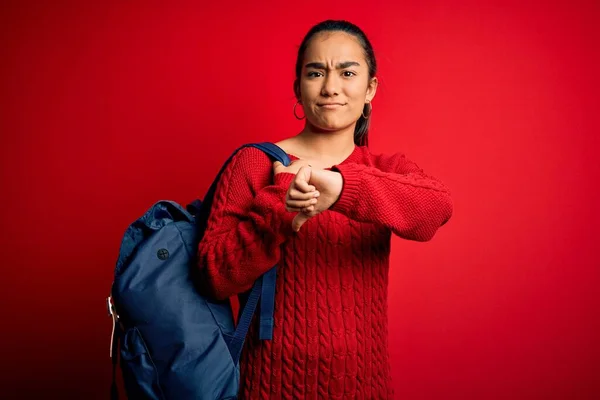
<point x="107" y="108"/>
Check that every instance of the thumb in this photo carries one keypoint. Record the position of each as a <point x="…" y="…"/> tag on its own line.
<point x="299" y="220"/>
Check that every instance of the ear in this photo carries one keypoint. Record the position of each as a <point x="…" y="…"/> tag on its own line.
<point x="297" y="89"/>
<point x="372" y="89"/>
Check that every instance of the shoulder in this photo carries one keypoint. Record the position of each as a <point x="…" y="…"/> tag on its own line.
<point x="248" y="158"/>
<point x="248" y="166"/>
<point x="366" y="156"/>
<point x="391" y="161"/>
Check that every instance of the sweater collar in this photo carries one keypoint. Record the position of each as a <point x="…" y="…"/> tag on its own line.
<point x="353" y="157"/>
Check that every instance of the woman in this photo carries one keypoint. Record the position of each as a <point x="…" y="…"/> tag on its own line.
<point x="326" y="220"/>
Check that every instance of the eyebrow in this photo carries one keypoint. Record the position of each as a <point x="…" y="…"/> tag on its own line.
<point x="341" y="65"/>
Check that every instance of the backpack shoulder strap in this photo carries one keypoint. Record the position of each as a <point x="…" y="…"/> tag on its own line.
<point x="264" y="287"/>
<point x="274" y="151"/>
<point x="201" y="209"/>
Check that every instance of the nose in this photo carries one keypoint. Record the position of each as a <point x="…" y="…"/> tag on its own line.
<point x="330" y="86"/>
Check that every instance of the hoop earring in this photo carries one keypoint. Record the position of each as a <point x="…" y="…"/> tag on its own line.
<point x="296" y="115"/>
<point x="370" y="111"/>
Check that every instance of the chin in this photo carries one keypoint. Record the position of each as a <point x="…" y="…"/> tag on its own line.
<point x="331" y="126"/>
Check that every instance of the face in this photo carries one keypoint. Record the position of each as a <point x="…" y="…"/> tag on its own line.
<point x="335" y="84"/>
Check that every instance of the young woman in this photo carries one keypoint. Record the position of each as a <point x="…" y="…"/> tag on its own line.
<point x="326" y="221"/>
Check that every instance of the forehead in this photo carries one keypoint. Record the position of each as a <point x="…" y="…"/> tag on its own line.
<point x="334" y="46"/>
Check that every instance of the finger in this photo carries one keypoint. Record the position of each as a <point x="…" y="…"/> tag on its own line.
<point x="300" y="204"/>
<point x="301" y="186"/>
<point x="295" y="194"/>
<point x="277" y="166"/>
<point x="299" y="220"/>
<point x="307" y="210"/>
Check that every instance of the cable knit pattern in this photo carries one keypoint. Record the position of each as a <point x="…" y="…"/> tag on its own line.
<point x="330" y="338"/>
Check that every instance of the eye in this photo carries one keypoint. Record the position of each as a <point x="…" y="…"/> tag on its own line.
<point x="348" y="74"/>
<point x="314" y="74"/>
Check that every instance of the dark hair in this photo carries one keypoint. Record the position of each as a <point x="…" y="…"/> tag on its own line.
<point x="361" y="131"/>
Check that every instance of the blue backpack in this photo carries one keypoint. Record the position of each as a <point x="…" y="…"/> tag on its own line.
<point x="173" y="342"/>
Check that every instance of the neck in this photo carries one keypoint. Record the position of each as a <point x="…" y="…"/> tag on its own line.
<point x="328" y="143"/>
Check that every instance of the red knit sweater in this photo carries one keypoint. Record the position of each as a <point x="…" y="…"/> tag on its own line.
<point x="330" y="337"/>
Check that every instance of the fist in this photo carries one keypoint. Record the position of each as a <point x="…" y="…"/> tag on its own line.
<point x="311" y="192"/>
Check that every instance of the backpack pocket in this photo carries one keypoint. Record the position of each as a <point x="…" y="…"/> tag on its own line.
<point x="139" y="372"/>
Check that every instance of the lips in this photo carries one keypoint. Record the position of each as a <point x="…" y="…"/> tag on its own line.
<point x="331" y="106"/>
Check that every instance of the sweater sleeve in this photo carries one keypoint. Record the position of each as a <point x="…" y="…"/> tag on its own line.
<point x="247" y="224"/>
<point x="395" y="192"/>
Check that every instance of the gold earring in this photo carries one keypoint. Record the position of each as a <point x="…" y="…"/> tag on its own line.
<point x="370" y="111"/>
<point x="296" y="115"/>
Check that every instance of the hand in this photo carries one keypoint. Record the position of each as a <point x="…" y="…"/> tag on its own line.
<point x="311" y="192"/>
<point x="301" y="196"/>
<point x="292" y="168"/>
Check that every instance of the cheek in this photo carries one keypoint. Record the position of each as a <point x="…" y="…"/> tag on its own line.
<point x="309" y="91"/>
<point x="357" y="91"/>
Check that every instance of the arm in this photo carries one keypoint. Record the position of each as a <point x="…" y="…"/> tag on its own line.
<point x="396" y="193"/>
<point x="247" y="224"/>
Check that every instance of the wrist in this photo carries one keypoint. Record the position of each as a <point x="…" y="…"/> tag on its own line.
<point x="349" y="188"/>
<point x="339" y="186"/>
<point x="284" y="179"/>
